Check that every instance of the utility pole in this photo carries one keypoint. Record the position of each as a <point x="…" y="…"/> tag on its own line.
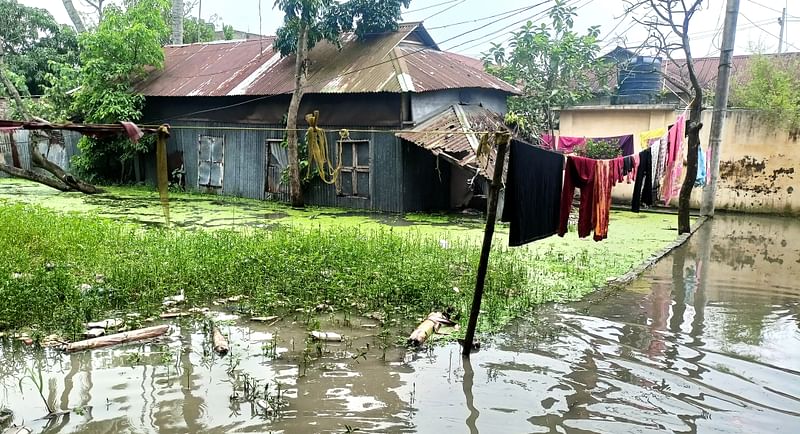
<point x="720" y="105"/>
<point x="782" y="21"/>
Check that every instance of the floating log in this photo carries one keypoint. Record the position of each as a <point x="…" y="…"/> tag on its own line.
<point x="429" y="326"/>
<point x="118" y="338"/>
<point x="326" y="336"/>
<point x="220" y="343"/>
<point x="264" y="318"/>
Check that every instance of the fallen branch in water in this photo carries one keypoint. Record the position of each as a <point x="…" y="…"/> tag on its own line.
<point x="118" y="338"/>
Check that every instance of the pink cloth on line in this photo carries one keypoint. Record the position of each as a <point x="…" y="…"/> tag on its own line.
<point x="674" y="160"/>
<point x="568" y="144"/>
<point x="133" y="131"/>
<point x="548" y="141"/>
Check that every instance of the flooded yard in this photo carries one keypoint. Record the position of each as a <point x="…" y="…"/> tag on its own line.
<point x="706" y="341"/>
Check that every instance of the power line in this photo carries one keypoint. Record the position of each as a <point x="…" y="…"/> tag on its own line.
<point x="767" y="31"/>
<point x="771" y="9"/>
<point x="443" y="10"/>
<point x="511" y="12"/>
<point x="431" y="6"/>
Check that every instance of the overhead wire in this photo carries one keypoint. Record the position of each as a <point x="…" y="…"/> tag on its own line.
<point x="767" y="31"/>
<point x="430" y="7"/>
<point x="443" y="10"/>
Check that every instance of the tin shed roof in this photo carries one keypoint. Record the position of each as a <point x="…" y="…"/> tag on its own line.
<point x="403" y="61"/>
<point x="460" y="145"/>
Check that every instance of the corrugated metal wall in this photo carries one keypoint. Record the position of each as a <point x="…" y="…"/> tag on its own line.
<point x="386" y="175"/>
<point x="426" y="180"/>
<point x="245" y="156"/>
<point x="245" y="165"/>
<point x="57" y="153"/>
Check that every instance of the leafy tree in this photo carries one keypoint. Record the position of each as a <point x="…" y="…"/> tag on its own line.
<point x="552" y="64"/>
<point x="771" y="85"/>
<point x="31" y="39"/>
<point x="192" y="28"/>
<point x="114" y="57"/>
<point x="307" y="22"/>
<point x="227" y="31"/>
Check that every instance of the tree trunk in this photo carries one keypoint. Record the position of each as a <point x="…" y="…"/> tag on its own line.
<point x="177" y="22"/>
<point x="64" y="179"/>
<point x="693" y="131"/>
<point x="295" y="189"/>
<point x="74" y="16"/>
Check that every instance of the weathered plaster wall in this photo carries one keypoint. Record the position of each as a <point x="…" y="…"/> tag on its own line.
<point x="759" y="165"/>
<point x="426" y="104"/>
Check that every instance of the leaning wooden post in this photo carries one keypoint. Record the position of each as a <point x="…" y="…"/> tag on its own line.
<point x="501" y="139"/>
<point x="162" y="176"/>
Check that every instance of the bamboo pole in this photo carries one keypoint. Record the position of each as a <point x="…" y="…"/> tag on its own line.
<point x="501" y="139"/>
<point x="116" y="339"/>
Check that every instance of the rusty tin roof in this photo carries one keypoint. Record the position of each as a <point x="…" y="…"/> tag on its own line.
<point x="403" y="61"/>
<point x="460" y="146"/>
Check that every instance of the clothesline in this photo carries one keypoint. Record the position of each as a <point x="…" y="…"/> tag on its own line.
<point x="541" y="187"/>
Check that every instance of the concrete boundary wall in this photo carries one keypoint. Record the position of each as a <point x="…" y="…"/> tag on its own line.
<point x="759" y="164"/>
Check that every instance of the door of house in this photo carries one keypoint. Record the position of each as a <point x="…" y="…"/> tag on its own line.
<point x="277" y="160"/>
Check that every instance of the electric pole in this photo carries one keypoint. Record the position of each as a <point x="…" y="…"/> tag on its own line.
<point x="782" y="21"/>
<point x="720" y="105"/>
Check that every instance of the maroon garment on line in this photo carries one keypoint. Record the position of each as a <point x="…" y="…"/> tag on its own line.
<point x="579" y="173"/>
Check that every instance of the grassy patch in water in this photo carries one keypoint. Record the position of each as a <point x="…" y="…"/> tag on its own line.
<point x="353" y="263"/>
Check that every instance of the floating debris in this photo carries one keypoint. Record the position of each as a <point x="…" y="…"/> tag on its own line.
<point x="326" y="336"/>
<point x="94" y="333"/>
<point x="264" y="318"/>
<point x="105" y="324"/>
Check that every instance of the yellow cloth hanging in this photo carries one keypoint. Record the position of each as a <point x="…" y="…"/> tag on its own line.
<point x="484" y="150"/>
<point x="646" y="136"/>
<point x="318" y="151"/>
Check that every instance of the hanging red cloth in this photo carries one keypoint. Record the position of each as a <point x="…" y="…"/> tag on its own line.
<point x="579" y="173"/>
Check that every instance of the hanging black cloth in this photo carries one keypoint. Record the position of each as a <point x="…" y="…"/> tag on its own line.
<point x="643" y="188"/>
<point x="533" y="193"/>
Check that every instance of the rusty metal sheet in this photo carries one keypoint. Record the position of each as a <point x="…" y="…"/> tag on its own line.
<point x="459" y="146"/>
<point x="388" y="62"/>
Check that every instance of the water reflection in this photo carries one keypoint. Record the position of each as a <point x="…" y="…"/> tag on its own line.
<point x="706" y="341"/>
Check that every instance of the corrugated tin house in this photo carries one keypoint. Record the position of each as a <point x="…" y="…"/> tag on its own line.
<point x="222" y="97"/>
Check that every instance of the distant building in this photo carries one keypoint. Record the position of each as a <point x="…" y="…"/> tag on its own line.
<point x="219" y="35"/>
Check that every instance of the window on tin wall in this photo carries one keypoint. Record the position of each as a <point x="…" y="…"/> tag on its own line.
<point x="354" y="177"/>
<point x="211" y="156"/>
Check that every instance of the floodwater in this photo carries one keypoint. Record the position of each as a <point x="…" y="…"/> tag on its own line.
<point x="706" y="341"/>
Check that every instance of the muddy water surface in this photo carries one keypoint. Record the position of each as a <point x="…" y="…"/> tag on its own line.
<point x="707" y="341"/>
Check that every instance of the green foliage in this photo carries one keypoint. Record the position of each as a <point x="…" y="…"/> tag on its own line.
<point x="31" y="39"/>
<point x="227" y="31"/>
<point x="553" y="66"/>
<point x="113" y="58"/>
<point x="599" y="150"/>
<point x="329" y="19"/>
<point x="52" y="260"/>
<point x="191" y="26"/>
<point x="771" y="85"/>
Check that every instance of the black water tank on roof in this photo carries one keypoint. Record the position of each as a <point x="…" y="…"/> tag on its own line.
<point x="639" y="80"/>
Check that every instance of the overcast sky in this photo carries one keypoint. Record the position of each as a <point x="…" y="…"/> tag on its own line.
<point x="758" y="21"/>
